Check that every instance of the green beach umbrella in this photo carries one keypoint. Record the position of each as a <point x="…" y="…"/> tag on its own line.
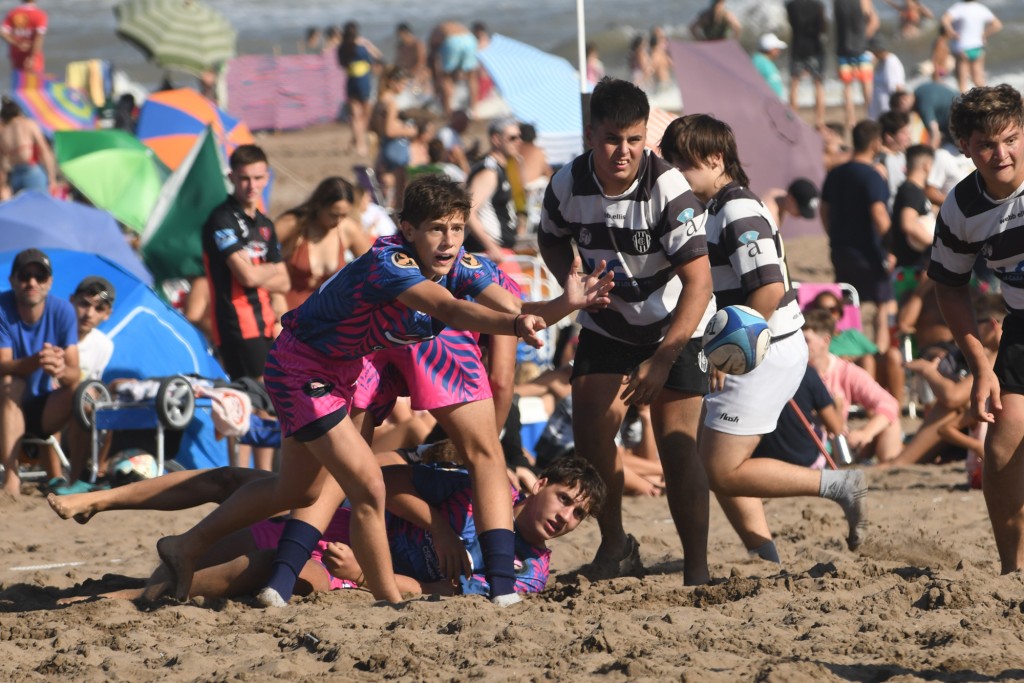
<point x="177" y="34"/>
<point x="114" y="171"/>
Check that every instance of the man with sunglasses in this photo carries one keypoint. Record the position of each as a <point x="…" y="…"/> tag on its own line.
<point x="492" y="225"/>
<point x="38" y="362"/>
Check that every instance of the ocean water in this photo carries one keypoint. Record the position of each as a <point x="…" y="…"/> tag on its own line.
<point x="82" y="29"/>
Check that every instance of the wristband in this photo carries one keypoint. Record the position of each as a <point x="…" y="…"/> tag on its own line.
<point x="515" y="325"/>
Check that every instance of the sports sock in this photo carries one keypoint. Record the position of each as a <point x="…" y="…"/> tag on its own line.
<point x="766" y="551"/>
<point x="848" y="488"/>
<point x="499" y="551"/>
<point x="296" y="544"/>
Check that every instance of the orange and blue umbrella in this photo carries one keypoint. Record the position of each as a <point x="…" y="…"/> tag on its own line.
<point x="52" y="104"/>
<point x="172" y="120"/>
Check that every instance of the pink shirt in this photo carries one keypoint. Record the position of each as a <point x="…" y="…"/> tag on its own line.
<point x="851" y="384"/>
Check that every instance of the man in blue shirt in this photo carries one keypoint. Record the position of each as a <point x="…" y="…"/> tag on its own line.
<point x="38" y="361"/>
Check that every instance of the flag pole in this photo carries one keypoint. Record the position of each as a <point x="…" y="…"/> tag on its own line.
<point x="581" y="55"/>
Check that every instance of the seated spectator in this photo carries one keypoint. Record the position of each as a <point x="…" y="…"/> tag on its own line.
<point x="38" y="363"/>
<point x="93" y="300"/>
<point x="849" y="344"/>
<point x="943" y="367"/>
<point x="430" y="528"/>
<point x="794" y="440"/>
<point x="850" y="385"/>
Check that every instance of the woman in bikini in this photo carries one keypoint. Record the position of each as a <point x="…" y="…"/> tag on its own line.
<point x="320" y="236"/>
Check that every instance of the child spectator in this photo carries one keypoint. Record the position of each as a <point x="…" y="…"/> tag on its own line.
<point x="851" y="385"/>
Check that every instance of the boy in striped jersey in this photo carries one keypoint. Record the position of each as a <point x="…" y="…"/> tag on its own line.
<point x="622" y="204"/>
<point x="984" y="215"/>
<point x="748" y="267"/>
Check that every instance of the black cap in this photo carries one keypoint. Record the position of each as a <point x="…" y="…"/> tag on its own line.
<point x="877" y="43"/>
<point x="29" y="256"/>
<point x="94" y="285"/>
<point x="806" y="196"/>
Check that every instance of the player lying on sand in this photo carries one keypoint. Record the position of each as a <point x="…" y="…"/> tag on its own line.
<point x="430" y="527"/>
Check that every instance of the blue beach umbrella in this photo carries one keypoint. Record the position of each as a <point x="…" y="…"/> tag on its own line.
<point x="35" y="219"/>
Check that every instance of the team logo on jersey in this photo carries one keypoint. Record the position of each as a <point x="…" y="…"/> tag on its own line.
<point x="404" y="339"/>
<point x="315" y="388"/>
<point x="748" y="237"/>
<point x="225" y="238"/>
<point x="642" y="241"/>
<point x="403" y="260"/>
<point x="265" y="233"/>
<point x="685" y="216"/>
<point x="471" y="261"/>
<point x="585" y="237"/>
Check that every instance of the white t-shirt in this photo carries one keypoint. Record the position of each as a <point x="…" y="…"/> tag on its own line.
<point x="949" y="168"/>
<point x="969" y="21"/>
<point x="890" y="76"/>
<point x="94" y="353"/>
<point x="377" y="222"/>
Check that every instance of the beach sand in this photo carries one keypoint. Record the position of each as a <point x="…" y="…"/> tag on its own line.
<point x="920" y="600"/>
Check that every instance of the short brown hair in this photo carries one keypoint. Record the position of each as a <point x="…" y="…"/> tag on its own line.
<point x="820" y="321"/>
<point x="573" y="471"/>
<point x="432" y="196"/>
<point x="988" y="110"/>
<point x="245" y="155"/>
<point x="696" y="137"/>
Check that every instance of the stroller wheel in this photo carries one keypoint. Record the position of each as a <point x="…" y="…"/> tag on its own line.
<point x="175" y="402"/>
<point x="87" y="396"/>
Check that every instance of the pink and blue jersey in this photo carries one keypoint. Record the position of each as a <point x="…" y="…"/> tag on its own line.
<point x="450" y="491"/>
<point x="357" y="311"/>
<point x="313" y="367"/>
<point x="438" y="373"/>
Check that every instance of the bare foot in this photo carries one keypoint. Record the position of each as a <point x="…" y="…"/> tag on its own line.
<point x="159" y="583"/>
<point x="176" y="561"/>
<point x="71" y="506"/>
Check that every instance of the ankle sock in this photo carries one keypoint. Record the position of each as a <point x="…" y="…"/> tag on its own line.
<point x="296" y="544"/>
<point x="499" y="551"/>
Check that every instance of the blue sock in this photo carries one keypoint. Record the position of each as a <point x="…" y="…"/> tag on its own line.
<point x="293" y="550"/>
<point x="499" y="550"/>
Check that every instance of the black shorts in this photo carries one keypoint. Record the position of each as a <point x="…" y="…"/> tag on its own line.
<point x="872" y="282"/>
<point x="245" y="358"/>
<point x="1009" y="366"/>
<point x="599" y="355"/>
<point x="32" y="408"/>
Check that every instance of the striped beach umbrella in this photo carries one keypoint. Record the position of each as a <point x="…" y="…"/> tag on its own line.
<point x="172" y="120"/>
<point x="52" y="104"/>
<point x="177" y="34"/>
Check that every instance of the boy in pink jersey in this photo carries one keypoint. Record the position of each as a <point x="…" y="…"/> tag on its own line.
<point x="403" y="291"/>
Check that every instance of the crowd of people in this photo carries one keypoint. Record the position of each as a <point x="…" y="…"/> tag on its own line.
<point x="376" y="331"/>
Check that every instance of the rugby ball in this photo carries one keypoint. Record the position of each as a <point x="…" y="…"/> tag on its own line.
<point x="736" y="339"/>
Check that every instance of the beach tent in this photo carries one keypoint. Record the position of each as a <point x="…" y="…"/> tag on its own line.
<point x="52" y="104"/>
<point x="775" y="145"/>
<point x="541" y="89"/>
<point x="172" y="240"/>
<point x="151" y="339"/>
<point x="35" y="219"/>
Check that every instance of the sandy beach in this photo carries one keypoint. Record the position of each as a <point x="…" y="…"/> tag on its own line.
<point x="921" y="600"/>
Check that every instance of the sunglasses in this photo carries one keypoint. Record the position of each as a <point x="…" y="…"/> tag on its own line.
<point x="37" y="275"/>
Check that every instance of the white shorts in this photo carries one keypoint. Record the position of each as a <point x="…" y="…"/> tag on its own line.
<point x="750" y="404"/>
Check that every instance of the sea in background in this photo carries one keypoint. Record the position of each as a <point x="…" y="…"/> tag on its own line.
<point x="81" y="29"/>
